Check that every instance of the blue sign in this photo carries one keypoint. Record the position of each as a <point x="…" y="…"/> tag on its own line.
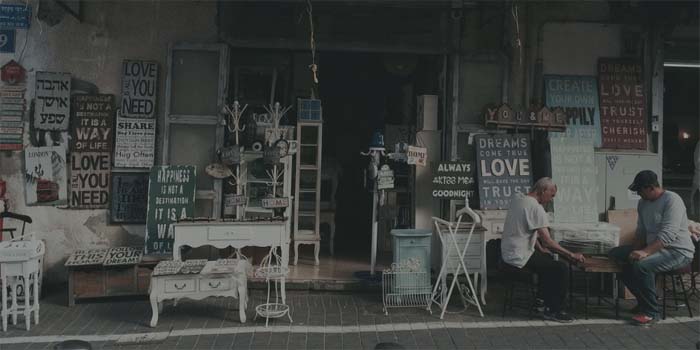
<point x="7" y="40"/>
<point x="578" y="96"/>
<point x="15" y="16"/>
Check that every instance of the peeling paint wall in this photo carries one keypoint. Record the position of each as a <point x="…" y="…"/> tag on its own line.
<point x="93" y="51"/>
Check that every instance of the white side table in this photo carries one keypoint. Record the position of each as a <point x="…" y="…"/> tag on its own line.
<point x="20" y="265"/>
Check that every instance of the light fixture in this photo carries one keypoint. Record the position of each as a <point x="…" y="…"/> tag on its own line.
<point x="685" y="135"/>
<point x="682" y="64"/>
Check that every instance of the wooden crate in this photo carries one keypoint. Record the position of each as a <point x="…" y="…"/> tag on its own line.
<point x="107" y="281"/>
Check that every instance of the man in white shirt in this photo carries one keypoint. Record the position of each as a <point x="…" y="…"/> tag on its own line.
<point x="527" y="243"/>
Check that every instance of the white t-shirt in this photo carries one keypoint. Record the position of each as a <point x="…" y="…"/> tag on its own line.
<point x="525" y="216"/>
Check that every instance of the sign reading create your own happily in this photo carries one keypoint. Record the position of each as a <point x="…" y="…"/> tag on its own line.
<point x="503" y="163"/>
<point x="171" y="191"/>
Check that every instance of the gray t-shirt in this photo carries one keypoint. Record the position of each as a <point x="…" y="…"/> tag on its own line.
<point x="525" y="216"/>
<point x="665" y="219"/>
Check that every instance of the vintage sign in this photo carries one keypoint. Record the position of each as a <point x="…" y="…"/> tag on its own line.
<point x="218" y="171"/>
<point x="87" y="257"/>
<point x="504" y="116"/>
<point x="12" y="73"/>
<point x="231" y="201"/>
<point x="275" y="202"/>
<point x="504" y="168"/>
<point x="271" y="155"/>
<point x="129" y="197"/>
<point x="171" y="191"/>
<point x="139" y="88"/>
<point x="417" y="155"/>
<point x="52" y="106"/>
<point x="192" y="266"/>
<point x="12" y="108"/>
<point x="230" y="155"/>
<point x="135" y="143"/>
<point x="15" y="16"/>
<point x="577" y="96"/>
<point x="222" y="266"/>
<point x="453" y="180"/>
<point x="7" y="40"/>
<point x="385" y="178"/>
<point x="92" y="122"/>
<point x="167" y="267"/>
<point x="622" y="104"/>
<point x="123" y="256"/>
<point x="45" y="176"/>
<point x="89" y="185"/>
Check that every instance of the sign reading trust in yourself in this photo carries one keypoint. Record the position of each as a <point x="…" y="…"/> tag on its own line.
<point x="453" y="180"/>
<point x="622" y="104"/>
<point x="503" y="163"/>
<point x="171" y="191"/>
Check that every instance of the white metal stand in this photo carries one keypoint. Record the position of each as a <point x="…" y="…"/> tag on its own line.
<point x="272" y="270"/>
<point x="447" y="232"/>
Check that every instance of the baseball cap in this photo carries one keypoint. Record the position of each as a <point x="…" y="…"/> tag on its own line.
<point x="644" y="178"/>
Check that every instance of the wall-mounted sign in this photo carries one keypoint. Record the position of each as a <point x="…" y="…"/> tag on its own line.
<point x="123" y="256"/>
<point x="453" y="180"/>
<point x="89" y="185"/>
<point x="503" y="163"/>
<point x="139" y="89"/>
<point x="7" y="40"/>
<point x="135" y="143"/>
<point x="52" y="106"/>
<point x="15" y="16"/>
<point x="275" y="202"/>
<point x="385" y="178"/>
<point x="231" y="201"/>
<point x="622" y="104"/>
<point x="504" y="116"/>
<point x="45" y="176"/>
<point x="578" y="97"/>
<point x="230" y="155"/>
<point x="171" y="191"/>
<point x="129" y="197"/>
<point x="93" y="118"/>
<point x="87" y="257"/>
<point x="12" y="73"/>
<point x="12" y="108"/>
<point x="417" y="155"/>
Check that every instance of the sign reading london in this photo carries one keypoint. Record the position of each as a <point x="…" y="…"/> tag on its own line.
<point x="503" y="163"/>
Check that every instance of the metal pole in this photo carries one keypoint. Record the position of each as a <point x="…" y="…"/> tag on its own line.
<point x="373" y="260"/>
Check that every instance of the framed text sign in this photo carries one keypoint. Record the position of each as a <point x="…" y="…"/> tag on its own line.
<point x="453" y="180"/>
<point x="52" y="106"/>
<point x="93" y="118"/>
<point x="622" y="104"/>
<point x="45" y="176"/>
<point x="89" y="185"/>
<point x="139" y="82"/>
<point x="135" y="143"/>
<point x="129" y="197"/>
<point x="171" y="190"/>
<point x="577" y="96"/>
<point x="503" y="163"/>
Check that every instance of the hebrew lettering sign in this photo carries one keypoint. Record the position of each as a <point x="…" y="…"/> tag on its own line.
<point x="503" y="163"/>
<point x="139" y="88"/>
<point x="16" y="16"/>
<point x="171" y="191"/>
<point x="93" y="118"/>
<point x="52" y="106"/>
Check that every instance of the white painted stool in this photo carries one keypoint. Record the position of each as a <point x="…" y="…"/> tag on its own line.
<point x="20" y="262"/>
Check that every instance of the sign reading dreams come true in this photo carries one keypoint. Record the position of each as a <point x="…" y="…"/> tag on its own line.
<point x="503" y="162"/>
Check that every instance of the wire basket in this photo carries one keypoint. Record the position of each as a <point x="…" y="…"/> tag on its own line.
<point x="272" y="310"/>
<point x="405" y="285"/>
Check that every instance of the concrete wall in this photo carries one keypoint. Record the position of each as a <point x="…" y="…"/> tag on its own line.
<point x="93" y="51"/>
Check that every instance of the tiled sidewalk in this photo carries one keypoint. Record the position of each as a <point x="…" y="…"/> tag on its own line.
<point x="334" y="320"/>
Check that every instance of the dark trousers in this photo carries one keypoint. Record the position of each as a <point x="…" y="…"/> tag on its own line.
<point x="553" y="279"/>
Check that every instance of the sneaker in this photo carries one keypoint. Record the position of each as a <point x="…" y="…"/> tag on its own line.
<point x="538" y="306"/>
<point x="644" y="320"/>
<point x="560" y="316"/>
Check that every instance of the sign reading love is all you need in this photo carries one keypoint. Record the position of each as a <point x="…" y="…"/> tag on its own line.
<point x="93" y="118"/>
<point x="171" y="191"/>
<point x="89" y="180"/>
<point x="453" y="180"/>
<point x="139" y="81"/>
<point x="503" y="163"/>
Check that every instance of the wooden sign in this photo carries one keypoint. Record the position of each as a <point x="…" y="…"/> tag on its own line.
<point x="167" y="267"/>
<point x="417" y="155"/>
<point x="275" y="202"/>
<point x="385" y="178"/>
<point x="17" y="16"/>
<point x="92" y="122"/>
<point x="45" y="176"/>
<point x="123" y="256"/>
<point x="12" y="73"/>
<point x="52" y="106"/>
<point x="135" y="143"/>
<point x="504" y="116"/>
<point x="218" y="171"/>
<point x="453" y="180"/>
<point x="230" y="155"/>
<point x="192" y="266"/>
<point x="623" y="112"/>
<point x="222" y="266"/>
<point x="129" y="197"/>
<point x="231" y="201"/>
<point x="271" y="155"/>
<point x="503" y="163"/>
<point x="89" y="185"/>
<point x="171" y="191"/>
<point x="87" y="257"/>
<point x="12" y="109"/>
<point x="577" y="98"/>
<point x="139" y="88"/>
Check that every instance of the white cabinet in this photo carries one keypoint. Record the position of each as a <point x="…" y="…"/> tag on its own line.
<point x="307" y="202"/>
<point x="474" y="258"/>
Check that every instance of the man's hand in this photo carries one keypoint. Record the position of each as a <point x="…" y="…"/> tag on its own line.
<point x="637" y="255"/>
<point x="578" y="257"/>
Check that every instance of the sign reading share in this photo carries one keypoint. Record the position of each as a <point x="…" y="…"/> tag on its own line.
<point x="453" y="180"/>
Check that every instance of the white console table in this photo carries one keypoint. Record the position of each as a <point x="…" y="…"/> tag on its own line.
<point x="236" y="234"/>
<point x="198" y="287"/>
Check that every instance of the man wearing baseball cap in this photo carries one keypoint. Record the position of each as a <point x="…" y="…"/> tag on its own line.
<point x="662" y="243"/>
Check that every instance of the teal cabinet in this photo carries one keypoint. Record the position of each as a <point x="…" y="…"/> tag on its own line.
<point x="412" y="244"/>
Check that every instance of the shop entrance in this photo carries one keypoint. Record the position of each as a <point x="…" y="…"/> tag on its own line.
<point x="681" y="128"/>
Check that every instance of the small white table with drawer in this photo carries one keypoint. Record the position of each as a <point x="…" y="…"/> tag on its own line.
<point x="198" y="287"/>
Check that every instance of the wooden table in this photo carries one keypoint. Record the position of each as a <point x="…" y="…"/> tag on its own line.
<point x="596" y="264"/>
